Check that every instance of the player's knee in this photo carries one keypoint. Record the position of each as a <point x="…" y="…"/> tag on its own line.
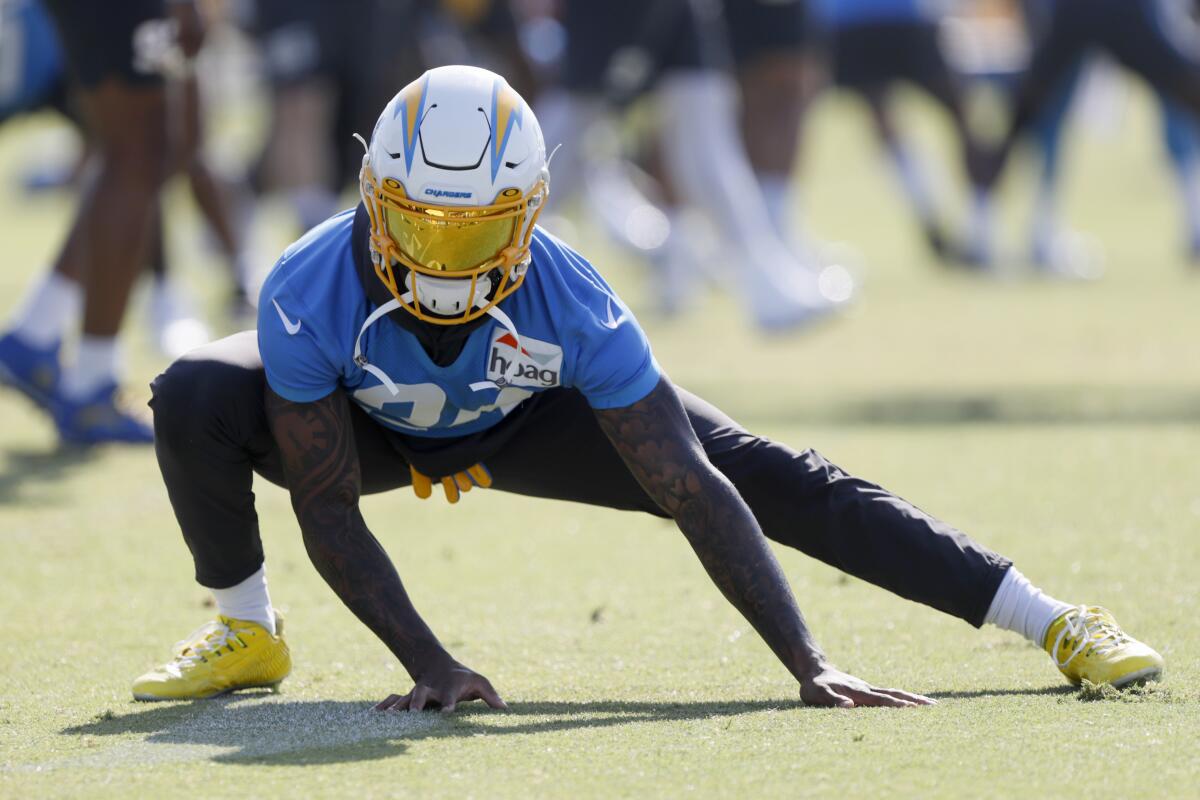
<point x="192" y="394"/>
<point x="140" y="159"/>
<point x="176" y="396"/>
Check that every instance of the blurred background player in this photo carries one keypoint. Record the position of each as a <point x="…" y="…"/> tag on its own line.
<point x="125" y="105"/>
<point x="118" y="88"/>
<point x="778" y="51"/>
<point x="40" y="82"/>
<point x="616" y="52"/>
<point x="1157" y="39"/>
<point x="219" y="199"/>
<point x="315" y="58"/>
<point x="1181" y="139"/>
<point x="330" y="66"/>
<point x="1055" y="250"/>
<point x="876" y="45"/>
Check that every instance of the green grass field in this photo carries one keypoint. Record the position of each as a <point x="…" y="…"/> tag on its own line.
<point x="1060" y="424"/>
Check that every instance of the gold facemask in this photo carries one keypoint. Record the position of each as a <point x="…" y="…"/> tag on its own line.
<point x="445" y="241"/>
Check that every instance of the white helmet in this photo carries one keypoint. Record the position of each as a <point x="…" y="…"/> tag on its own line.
<point x="453" y="179"/>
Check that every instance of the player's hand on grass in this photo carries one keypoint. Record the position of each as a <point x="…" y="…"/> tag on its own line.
<point x="444" y="687"/>
<point x="832" y="687"/>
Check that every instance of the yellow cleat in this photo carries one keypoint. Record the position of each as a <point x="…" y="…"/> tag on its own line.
<point x="1086" y="643"/>
<point x="220" y="657"/>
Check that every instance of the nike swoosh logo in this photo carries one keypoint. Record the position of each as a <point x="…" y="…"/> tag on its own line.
<point x="612" y="322"/>
<point x="294" y="327"/>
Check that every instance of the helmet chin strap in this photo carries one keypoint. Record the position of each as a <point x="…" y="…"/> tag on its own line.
<point x="361" y="360"/>
<point x="510" y="372"/>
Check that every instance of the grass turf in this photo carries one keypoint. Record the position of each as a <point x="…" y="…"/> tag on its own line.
<point x="1056" y="423"/>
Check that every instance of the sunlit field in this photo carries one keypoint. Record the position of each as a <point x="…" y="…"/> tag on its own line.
<point x="1058" y="423"/>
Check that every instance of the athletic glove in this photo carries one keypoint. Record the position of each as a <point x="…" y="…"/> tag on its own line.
<point x="477" y="475"/>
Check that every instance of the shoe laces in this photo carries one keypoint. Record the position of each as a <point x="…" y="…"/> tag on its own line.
<point x="1087" y="627"/>
<point x="209" y="639"/>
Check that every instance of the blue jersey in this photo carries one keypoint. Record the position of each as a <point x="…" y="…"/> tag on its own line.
<point x="843" y="13"/>
<point x="574" y="332"/>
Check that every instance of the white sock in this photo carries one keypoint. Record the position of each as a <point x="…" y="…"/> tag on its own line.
<point x="1021" y="607"/>
<point x="53" y="304"/>
<point x="983" y="224"/>
<point x="1045" y="219"/>
<point x="1189" y="185"/>
<point x="914" y="181"/>
<point x="96" y="364"/>
<point x="777" y="194"/>
<point x="773" y="281"/>
<point x="248" y="600"/>
<point x="726" y="189"/>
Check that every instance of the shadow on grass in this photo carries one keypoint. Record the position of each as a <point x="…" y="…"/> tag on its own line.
<point x="22" y="468"/>
<point x="306" y="732"/>
<point x="244" y="730"/>
<point x="1132" y="405"/>
<point x="1045" y="691"/>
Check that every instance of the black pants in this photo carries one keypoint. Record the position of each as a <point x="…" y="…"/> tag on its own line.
<point x="211" y="436"/>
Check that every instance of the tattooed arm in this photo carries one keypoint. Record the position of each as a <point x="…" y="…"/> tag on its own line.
<point x="320" y="463"/>
<point x="657" y="442"/>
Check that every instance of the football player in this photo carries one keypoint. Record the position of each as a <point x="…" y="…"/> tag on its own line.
<point x="434" y="336"/>
<point x="1157" y="39"/>
<point x="1052" y="251"/>
<point x="621" y="50"/>
<point x="876" y="44"/>
<point x="124" y="102"/>
<point x="41" y="83"/>
<point x="330" y="66"/>
<point x="316" y="80"/>
<point x="777" y="50"/>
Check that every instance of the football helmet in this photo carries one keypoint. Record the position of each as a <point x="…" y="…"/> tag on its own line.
<point x="453" y="179"/>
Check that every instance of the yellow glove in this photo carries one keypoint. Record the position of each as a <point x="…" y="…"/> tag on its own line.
<point x="477" y="475"/>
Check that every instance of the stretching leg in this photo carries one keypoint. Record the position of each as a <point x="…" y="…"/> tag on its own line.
<point x="799" y="498"/>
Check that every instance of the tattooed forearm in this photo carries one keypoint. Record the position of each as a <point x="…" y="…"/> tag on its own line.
<point x="657" y="442"/>
<point x="320" y="462"/>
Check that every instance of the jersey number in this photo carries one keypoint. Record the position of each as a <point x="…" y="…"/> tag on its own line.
<point x="421" y="405"/>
